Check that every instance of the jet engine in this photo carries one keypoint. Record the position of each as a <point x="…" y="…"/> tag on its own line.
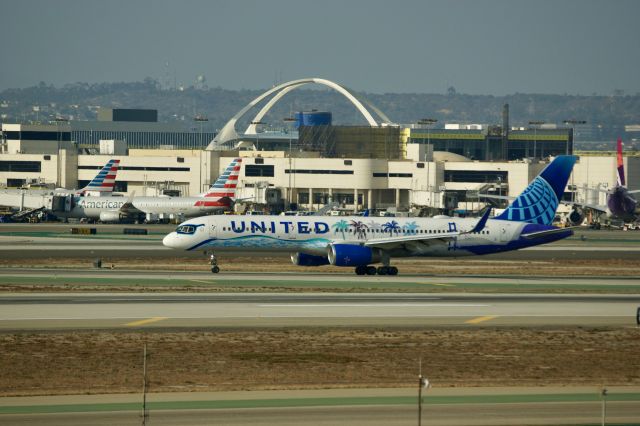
<point x="303" y="259"/>
<point x="576" y="217"/>
<point x="352" y="255"/>
<point x="109" y="216"/>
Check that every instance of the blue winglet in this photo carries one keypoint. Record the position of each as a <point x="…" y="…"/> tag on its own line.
<point x="482" y="222"/>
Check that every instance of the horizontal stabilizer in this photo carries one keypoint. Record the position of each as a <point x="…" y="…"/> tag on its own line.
<point x="545" y="233"/>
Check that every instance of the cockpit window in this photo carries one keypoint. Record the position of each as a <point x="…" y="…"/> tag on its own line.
<point x="186" y="229"/>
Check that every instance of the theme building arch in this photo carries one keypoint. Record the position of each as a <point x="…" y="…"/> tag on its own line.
<point x="229" y="133"/>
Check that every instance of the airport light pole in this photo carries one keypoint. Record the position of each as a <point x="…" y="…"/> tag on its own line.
<point x="535" y="124"/>
<point x="573" y="123"/>
<point x="59" y="120"/>
<point x="201" y="119"/>
<point x="604" y="405"/>
<point x="145" y="412"/>
<point x="423" y="383"/>
<point x="288" y="121"/>
<point x="428" y="122"/>
<point x="256" y="124"/>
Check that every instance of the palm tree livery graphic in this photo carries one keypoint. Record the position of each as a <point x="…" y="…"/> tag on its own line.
<point x="359" y="228"/>
<point x="391" y="227"/>
<point x="411" y="227"/>
<point x="341" y="226"/>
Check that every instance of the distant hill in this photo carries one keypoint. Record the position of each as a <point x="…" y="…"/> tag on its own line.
<point x="606" y="115"/>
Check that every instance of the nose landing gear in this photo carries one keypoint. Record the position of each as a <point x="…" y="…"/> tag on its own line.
<point x="213" y="261"/>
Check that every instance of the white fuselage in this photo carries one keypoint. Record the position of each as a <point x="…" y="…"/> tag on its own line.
<point x="94" y="207"/>
<point x="400" y="237"/>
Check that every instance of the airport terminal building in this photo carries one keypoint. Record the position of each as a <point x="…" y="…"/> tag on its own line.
<point x="408" y="168"/>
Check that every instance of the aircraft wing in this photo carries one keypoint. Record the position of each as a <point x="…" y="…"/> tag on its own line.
<point x="597" y="207"/>
<point x="128" y="208"/>
<point x="390" y="242"/>
<point x="497" y="197"/>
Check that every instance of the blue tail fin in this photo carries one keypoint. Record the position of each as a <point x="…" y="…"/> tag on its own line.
<point x="539" y="201"/>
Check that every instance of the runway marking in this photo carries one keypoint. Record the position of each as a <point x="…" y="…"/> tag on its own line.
<point x="440" y="284"/>
<point x="201" y="281"/>
<point x="145" y="321"/>
<point x="370" y="305"/>
<point x="481" y="319"/>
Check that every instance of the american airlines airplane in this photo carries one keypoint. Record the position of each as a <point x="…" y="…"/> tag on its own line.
<point x="103" y="182"/>
<point x="360" y="242"/>
<point x="60" y="199"/>
<point x="220" y="196"/>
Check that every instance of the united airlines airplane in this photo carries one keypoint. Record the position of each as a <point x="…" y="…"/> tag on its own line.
<point x="360" y="242"/>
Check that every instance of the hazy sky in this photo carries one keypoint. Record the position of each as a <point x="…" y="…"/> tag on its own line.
<point x="492" y="47"/>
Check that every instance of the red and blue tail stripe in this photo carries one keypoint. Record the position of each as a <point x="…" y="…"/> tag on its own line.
<point x="225" y="185"/>
<point x="105" y="179"/>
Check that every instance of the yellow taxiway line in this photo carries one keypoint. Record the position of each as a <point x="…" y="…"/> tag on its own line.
<point x="481" y="319"/>
<point x="145" y="321"/>
<point x="440" y="284"/>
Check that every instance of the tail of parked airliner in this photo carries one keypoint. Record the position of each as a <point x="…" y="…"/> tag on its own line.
<point x="104" y="180"/>
<point x="225" y="185"/>
<point x="621" y="179"/>
<point x="539" y="201"/>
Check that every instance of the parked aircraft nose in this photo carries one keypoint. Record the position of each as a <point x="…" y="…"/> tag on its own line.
<point x="171" y="241"/>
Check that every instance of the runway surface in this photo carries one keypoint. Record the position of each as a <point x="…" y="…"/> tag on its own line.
<point x="477" y="406"/>
<point x="184" y="310"/>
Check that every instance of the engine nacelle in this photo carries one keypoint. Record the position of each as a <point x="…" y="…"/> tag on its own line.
<point x="576" y="217"/>
<point x="109" y="216"/>
<point x="352" y="255"/>
<point x="303" y="259"/>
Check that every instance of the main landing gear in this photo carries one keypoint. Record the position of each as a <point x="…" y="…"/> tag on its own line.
<point x="372" y="270"/>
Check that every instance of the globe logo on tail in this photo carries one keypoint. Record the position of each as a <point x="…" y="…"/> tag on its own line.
<point x="537" y="204"/>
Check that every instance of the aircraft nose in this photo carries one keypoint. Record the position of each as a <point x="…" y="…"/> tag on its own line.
<point x="171" y="241"/>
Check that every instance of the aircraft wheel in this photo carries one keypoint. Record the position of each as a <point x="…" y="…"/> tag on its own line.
<point x="393" y="270"/>
<point x="383" y="270"/>
<point x="215" y="269"/>
<point x="361" y="270"/>
<point x="371" y="270"/>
